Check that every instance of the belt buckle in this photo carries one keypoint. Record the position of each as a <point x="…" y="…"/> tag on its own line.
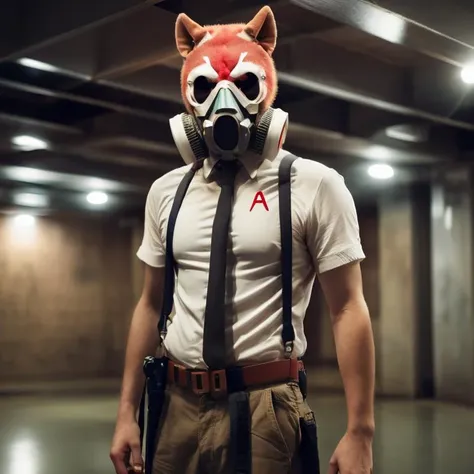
<point x="218" y="381"/>
<point x="200" y="382"/>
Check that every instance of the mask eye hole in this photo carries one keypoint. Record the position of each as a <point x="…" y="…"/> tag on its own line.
<point x="202" y="88"/>
<point x="249" y="85"/>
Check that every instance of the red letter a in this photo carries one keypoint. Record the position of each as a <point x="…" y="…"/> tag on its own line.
<point x="259" y="199"/>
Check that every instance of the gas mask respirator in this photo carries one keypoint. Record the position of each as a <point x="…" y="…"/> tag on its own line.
<point x="226" y="122"/>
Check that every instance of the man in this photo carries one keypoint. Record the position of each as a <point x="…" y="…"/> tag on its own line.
<point x="232" y="139"/>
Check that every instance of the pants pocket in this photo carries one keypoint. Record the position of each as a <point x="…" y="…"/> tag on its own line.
<point x="275" y="421"/>
<point x="283" y="417"/>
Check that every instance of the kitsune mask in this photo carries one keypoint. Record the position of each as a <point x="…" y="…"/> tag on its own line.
<point x="228" y="84"/>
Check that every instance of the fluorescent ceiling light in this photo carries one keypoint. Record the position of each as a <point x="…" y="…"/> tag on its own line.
<point x="385" y="25"/>
<point x="381" y="171"/>
<point x="33" y="63"/>
<point x="31" y="200"/>
<point x="28" y="175"/>
<point x="467" y="74"/>
<point x="24" y="220"/>
<point x="96" y="183"/>
<point x="407" y="133"/>
<point x="448" y="218"/>
<point x="377" y="152"/>
<point x="97" y="198"/>
<point x="29" y="143"/>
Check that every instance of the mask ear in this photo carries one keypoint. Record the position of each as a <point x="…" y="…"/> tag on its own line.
<point x="188" y="33"/>
<point x="262" y="28"/>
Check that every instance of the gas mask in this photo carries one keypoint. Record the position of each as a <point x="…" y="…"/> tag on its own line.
<point x="226" y="122"/>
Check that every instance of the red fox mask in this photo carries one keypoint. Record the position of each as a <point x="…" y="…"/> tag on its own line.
<point x="240" y="53"/>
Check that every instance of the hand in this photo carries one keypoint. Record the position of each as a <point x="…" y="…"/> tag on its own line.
<point x="126" y="448"/>
<point x="353" y="455"/>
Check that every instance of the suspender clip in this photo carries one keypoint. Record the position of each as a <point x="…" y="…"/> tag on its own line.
<point x="289" y="349"/>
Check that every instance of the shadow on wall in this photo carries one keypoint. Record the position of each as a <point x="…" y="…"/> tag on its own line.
<point x="65" y="297"/>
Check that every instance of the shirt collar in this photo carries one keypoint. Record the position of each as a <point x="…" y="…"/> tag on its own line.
<point x="250" y="161"/>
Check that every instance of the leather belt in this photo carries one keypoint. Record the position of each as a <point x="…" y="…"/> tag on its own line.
<point x="234" y="379"/>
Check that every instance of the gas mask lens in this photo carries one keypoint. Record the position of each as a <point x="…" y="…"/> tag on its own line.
<point x="248" y="84"/>
<point x="202" y="89"/>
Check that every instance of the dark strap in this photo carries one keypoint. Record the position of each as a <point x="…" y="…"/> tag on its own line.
<point x="156" y="374"/>
<point x="286" y="236"/>
<point x="240" y="437"/>
<point x="155" y="385"/>
<point x="168" y="288"/>
<point x="141" y="414"/>
<point x="286" y="233"/>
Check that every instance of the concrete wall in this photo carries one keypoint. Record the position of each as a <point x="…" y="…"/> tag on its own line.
<point x="403" y="334"/>
<point x="453" y="312"/>
<point x="65" y="298"/>
<point x="321" y="347"/>
<point x="68" y="286"/>
<point x="396" y="331"/>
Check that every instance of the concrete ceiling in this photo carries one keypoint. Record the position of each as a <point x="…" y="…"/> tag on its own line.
<point x="106" y="81"/>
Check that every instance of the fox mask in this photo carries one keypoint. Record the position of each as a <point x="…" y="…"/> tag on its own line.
<point x="241" y="53"/>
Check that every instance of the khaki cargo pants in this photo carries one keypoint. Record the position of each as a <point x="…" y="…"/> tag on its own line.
<point x="193" y="437"/>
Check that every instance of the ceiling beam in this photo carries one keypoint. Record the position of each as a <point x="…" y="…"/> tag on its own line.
<point x="338" y="73"/>
<point x="454" y="18"/>
<point x="153" y="33"/>
<point x="208" y="12"/>
<point x="317" y="141"/>
<point x="346" y="75"/>
<point x="134" y="131"/>
<point x="392" y="27"/>
<point x="132" y="178"/>
<point x="80" y="99"/>
<point x="19" y="123"/>
<point x="359" y="79"/>
<point x="41" y="23"/>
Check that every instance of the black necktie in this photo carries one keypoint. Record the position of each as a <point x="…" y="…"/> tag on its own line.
<point x="214" y="350"/>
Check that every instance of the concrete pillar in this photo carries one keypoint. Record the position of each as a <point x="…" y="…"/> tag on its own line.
<point x="137" y="265"/>
<point x="452" y="276"/>
<point x="404" y="292"/>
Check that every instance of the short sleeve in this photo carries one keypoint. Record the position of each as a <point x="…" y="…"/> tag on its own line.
<point x="333" y="234"/>
<point x="152" y="248"/>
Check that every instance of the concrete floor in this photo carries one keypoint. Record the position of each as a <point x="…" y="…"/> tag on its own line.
<point x="71" y="435"/>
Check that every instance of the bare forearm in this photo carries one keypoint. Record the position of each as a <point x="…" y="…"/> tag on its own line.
<point x="142" y="341"/>
<point x="356" y="357"/>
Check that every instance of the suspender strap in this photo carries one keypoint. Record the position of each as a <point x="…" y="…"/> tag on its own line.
<point x="286" y="232"/>
<point x="155" y="369"/>
<point x="240" y="449"/>
<point x="168" y="291"/>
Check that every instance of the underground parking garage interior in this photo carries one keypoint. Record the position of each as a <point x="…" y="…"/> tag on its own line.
<point x="381" y="91"/>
